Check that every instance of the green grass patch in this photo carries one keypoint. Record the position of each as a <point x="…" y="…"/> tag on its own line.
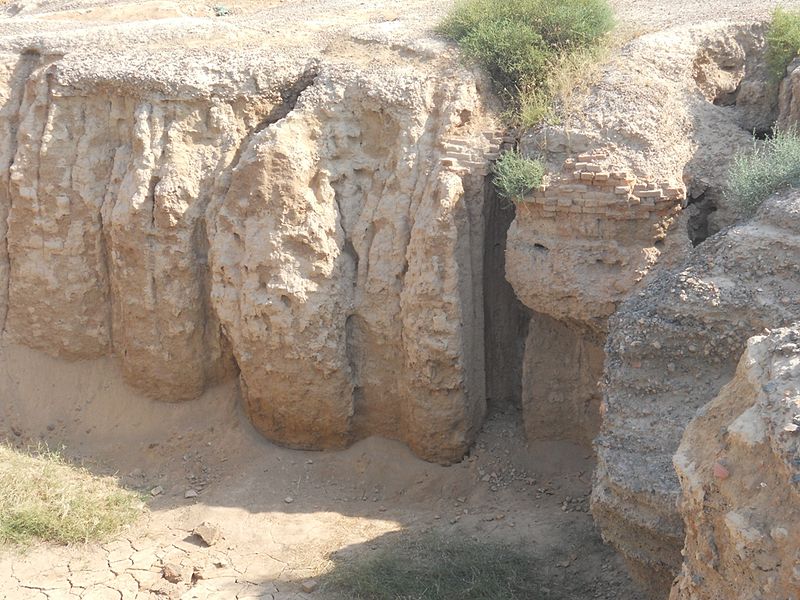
<point x="783" y="41"/>
<point x="44" y="497"/>
<point x="515" y="175"/>
<point x="772" y="165"/>
<point x="437" y="568"/>
<point x="528" y="46"/>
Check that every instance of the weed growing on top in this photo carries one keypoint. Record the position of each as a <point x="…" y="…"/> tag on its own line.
<point x="771" y="165"/>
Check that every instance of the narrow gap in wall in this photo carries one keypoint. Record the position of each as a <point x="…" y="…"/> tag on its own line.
<point x="700" y="206"/>
<point x="764" y="133"/>
<point x="505" y="317"/>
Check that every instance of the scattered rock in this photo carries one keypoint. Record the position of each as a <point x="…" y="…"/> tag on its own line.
<point x="208" y="532"/>
<point x="190" y="494"/>
<point x="171" y="573"/>
<point x="157" y="491"/>
<point x="288" y="499"/>
<point x="721" y="471"/>
<point x="309" y="586"/>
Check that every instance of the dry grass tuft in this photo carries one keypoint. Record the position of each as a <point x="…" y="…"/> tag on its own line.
<point x="438" y="568"/>
<point x="43" y="497"/>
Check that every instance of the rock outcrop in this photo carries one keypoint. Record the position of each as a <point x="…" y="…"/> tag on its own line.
<point x="739" y="469"/>
<point x="671" y="348"/>
<point x="303" y="212"/>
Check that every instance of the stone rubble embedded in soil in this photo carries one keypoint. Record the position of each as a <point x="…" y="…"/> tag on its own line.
<point x="742" y="534"/>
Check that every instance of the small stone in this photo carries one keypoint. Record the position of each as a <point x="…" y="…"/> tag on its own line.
<point x="208" y="532"/>
<point x="288" y="499"/>
<point x="190" y="494"/>
<point x="157" y="491"/>
<point x="309" y="586"/>
<point x="171" y="573"/>
<point x="791" y="428"/>
<point x="778" y="534"/>
<point x="721" y="471"/>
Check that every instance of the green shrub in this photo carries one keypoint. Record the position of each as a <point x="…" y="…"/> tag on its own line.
<point x="772" y="165"/>
<point x="516" y="175"/>
<point x="783" y="41"/>
<point x="512" y="52"/>
<point x="521" y="43"/>
<point x="44" y="497"/>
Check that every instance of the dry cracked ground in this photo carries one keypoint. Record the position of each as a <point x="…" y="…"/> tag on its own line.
<point x="286" y="517"/>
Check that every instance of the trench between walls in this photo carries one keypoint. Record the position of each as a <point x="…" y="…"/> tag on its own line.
<point x="506" y="319"/>
<point x="543" y="371"/>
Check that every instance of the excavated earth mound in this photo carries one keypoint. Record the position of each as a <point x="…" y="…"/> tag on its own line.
<point x="636" y="173"/>
<point x="671" y="349"/>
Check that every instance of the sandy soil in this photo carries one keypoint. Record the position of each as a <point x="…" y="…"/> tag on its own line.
<point x="327" y="17"/>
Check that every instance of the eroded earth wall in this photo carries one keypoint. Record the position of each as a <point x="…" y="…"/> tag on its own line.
<point x="634" y="176"/>
<point x="312" y="226"/>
